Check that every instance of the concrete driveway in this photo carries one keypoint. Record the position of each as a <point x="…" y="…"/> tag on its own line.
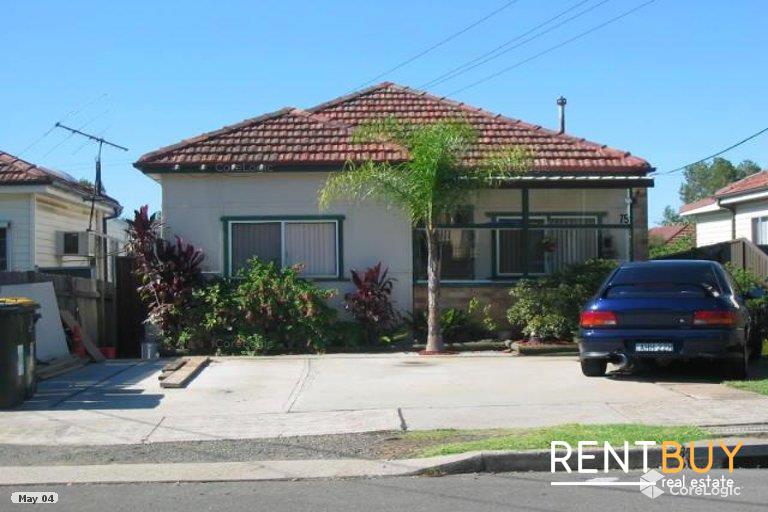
<point x="119" y="402"/>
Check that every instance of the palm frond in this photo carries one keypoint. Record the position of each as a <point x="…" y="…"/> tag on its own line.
<point x="433" y="181"/>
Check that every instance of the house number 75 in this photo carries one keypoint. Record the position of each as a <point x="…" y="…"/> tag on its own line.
<point x="624" y="218"/>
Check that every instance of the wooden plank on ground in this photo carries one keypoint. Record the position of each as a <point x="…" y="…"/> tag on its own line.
<point x="90" y="346"/>
<point x="58" y="366"/>
<point x="175" y="365"/>
<point x="181" y="377"/>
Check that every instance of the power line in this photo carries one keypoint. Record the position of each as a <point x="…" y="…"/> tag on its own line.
<point x="754" y="135"/>
<point x="437" y="45"/>
<point x="497" y="51"/>
<point x="552" y="48"/>
<point x="69" y="114"/>
<point x="97" y="189"/>
<point x="72" y="134"/>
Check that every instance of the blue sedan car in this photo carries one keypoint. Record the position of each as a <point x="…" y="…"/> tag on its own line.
<point x="668" y="309"/>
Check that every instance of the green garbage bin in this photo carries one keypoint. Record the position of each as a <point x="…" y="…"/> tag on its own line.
<point x="17" y="349"/>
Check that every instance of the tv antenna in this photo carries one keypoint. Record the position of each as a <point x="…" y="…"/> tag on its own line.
<point x="97" y="189"/>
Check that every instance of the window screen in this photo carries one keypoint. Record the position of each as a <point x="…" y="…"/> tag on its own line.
<point x="312" y="244"/>
<point x="760" y="230"/>
<point x="511" y="252"/>
<point x="572" y="245"/>
<point x="260" y="240"/>
<point x="550" y="248"/>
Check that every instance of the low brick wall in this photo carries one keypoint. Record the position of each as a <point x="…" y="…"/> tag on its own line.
<point x="459" y="296"/>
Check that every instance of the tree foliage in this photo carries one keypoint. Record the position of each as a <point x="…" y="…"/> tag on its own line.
<point x="432" y="184"/>
<point x="371" y="302"/>
<point x="705" y="178"/>
<point x="670" y="217"/>
<point x="167" y="271"/>
<point x="658" y="247"/>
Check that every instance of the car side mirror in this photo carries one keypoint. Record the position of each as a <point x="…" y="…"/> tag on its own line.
<point x="755" y="293"/>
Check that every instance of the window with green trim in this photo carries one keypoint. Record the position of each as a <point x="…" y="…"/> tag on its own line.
<point x="311" y="243"/>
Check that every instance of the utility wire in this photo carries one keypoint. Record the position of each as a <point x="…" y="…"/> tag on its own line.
<point x="69" y="114"/>
<point x="500" y="50"/>
<point x="681" y="168"/>
<point x="437" y="45"/>
<point x="55" y="147"/>
<point x="552" y="48"/>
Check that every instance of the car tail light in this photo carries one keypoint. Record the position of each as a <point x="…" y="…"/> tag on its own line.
<point x="598" y="319"/>
<point x="714" y="317"/>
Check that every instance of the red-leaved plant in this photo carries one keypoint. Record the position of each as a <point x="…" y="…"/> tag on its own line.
<point x="371" y="302"/>
<point x="167" y="271"/>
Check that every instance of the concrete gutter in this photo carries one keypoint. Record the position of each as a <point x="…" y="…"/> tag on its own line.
<point x="471" y="462"/>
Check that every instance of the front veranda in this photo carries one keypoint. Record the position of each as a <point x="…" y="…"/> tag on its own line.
<point x="508" y="234"/>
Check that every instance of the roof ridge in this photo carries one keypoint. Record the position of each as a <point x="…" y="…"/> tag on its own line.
<point x="478" y="110"/>
<point x="215" y="133"/>
<point x="724" y="190"/>
<point x="352" y="95"/>
<point x="48" y="176"/>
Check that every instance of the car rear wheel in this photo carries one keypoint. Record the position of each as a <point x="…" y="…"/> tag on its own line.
<point x="755" y="348"/>
<point x="593" y="367"/>
<point x="739" y="369"/>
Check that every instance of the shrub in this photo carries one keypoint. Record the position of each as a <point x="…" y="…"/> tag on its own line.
<point x="262" y="309"/>
<point x="349" y="335"/>
<point x="747" y="281"/>
<point x="371" y="302"/>
<point x="482" y="310"/>
<point x="276" y="302"/>
<point x="252" y="344"/>
<point x="658" y="248"/>
<point x="167" y="272"/>
<point x="458" y="326"/>
<point x="549" y="307"/>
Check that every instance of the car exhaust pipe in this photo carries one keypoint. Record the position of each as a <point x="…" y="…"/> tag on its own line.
<point x="621" y="359"/>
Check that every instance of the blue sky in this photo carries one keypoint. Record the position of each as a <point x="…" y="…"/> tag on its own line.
<point x="672" y="82"/>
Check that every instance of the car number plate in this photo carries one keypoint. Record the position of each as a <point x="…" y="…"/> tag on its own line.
<point x="654" y="347"/>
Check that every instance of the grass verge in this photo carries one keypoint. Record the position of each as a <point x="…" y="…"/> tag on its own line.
<point x="755" y="386"/>
<point x="443" y="442"/>
<point x="759" y="382"/>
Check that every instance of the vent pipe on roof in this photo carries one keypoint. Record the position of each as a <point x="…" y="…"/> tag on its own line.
<point x="561" y="102"/>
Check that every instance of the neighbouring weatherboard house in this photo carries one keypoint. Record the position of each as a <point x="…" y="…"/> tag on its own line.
<point x="738" y="210"/>
<point x="250" y="189"/>
<point x="44" y="220"/>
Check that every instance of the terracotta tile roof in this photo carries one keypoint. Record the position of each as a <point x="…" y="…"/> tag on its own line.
<point x="15" y="171"/>
<point x="671" y="233"/>
<point x="291" y="137"/>
<point x="698" y="204"/>
<point x="752" y="182"/>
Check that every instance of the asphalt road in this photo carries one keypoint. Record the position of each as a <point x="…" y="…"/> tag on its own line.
<point x="509" y="491"/>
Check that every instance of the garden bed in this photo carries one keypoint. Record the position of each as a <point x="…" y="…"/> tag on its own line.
<point x="526" y="348"/>
<point x="468" y="346"/>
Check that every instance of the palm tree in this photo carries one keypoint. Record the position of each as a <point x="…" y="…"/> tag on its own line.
<point x="430" y="186"/>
